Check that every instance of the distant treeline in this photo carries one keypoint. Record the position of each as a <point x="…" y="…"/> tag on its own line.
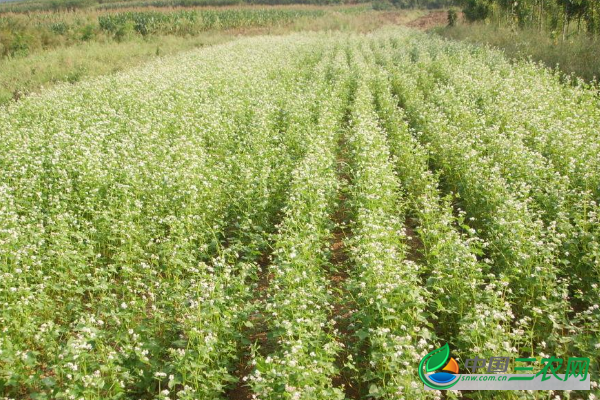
<point x="562" y="17"/>
<point x="430" y="4"/>
<point x="44" y="5"/>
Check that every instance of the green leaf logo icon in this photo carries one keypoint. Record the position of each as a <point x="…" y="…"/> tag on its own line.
<point x="437" y="358"/>
<point x="433" y="362"/>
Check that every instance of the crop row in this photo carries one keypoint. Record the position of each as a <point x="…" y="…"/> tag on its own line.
<point x="470" y="308"/>
<point x="518" y="248"/>
<point x="300" y="364"/>
<point x="385" y="284"/>
<point x="526" y="211"/>
<point x="127" y="223"/>
<point x="541" y="134"/>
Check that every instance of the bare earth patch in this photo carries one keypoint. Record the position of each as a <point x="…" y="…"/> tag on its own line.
<point x="431" y="20"/>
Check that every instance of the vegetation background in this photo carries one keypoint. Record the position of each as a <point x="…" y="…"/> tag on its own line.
<point x="559" y="33"/>
<point x="43" y="42"/>
<point x="41" y="48"/>
<point x="378" y="116"/>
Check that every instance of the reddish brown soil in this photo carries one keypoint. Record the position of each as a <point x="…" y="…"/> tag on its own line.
<point x="255" y="334"/>
<point x="415" y="245"/>
<point x="431" y="20"/>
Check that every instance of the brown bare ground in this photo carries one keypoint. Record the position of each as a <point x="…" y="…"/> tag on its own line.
<point x="340" y="272"/>
<point x="257" y="333"/>
<point x="413" y="241"/>
<point x="431" y="20"/>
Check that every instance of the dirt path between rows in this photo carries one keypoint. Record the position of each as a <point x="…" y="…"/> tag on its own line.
<point x="341" y="265"/>
<point x="255" y="332"/>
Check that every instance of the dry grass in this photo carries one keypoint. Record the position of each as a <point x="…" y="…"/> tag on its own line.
<point x="23" y="75"/>
<point x="577" y="55"/>
<point x="363" y="22"/>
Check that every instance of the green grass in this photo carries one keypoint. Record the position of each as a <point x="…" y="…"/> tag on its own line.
<point x="23" y="75"/>
<point x="577" y="55"/>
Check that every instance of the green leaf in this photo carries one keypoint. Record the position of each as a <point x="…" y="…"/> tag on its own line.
<point x="173" y="382"/>
<point x="437" y="358"/>
<point x="439" y="304"/>
<point x="362" y="334"/>
<point x="48" y="382"/>
<point x="30" y="359"/>
<point x="374" y="391"/>
<point x="180" y="343"/>
<point x="525" y="350"/>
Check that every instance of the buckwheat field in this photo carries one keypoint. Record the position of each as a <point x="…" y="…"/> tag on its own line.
<point x="300" y="217"/>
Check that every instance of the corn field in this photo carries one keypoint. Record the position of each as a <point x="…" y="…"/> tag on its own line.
<point x="190" y="21"/>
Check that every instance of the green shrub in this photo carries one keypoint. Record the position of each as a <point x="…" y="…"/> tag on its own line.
<point x="70" y="4"/>
<point x="476" y="10"/>
<point x="452" y="17"/>
<point x="382" y="5"/>
<point x="578" y="55"/>
<point x="88" y="32"/>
